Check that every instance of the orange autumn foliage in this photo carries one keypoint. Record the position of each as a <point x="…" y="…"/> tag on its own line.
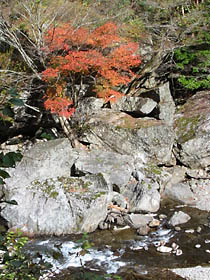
<point x="100" y="54"/>
<point x="60" y="106"/>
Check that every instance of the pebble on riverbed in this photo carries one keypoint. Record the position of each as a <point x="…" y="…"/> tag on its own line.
<point x="164" y="249"/>
<point x="189" y="230"/>
<point x="178" y="252"/>
<point x="154" y="223"/>
<point x="199" y="229"/>
<point x="174" y="246"/>
<point x="177" y="228"/>
<point x="143" y="230"/>
<point x="173" y="249"/>
<point x="179" y="218"/>
<point x="162" y="216"/>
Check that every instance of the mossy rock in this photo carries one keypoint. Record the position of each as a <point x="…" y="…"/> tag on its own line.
<point x="186" y="127"/>
<point x="191" y="115"/>
<point x="192" y="131"/>
<point x="153" y="169"/>
<point x="50" y="187"/>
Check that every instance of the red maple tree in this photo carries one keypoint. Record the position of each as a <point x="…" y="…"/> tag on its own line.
<point x="100" y="56"/>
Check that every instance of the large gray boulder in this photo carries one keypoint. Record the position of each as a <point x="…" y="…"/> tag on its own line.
<point x="50" y="201"/>
<point x="192" y="127"/>
<point x="147" y="139"/>
<point x="188" y="186"/>
<point x="60" y="190"/>
<point x="193" y="192"/>
<point x="142" y="196"/>
<point x="158" y="103"/>
<point x="57" y="206"/>
<point x="119" y="170"/>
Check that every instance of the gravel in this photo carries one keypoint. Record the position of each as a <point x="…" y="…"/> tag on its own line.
<point x="193" y="273"/>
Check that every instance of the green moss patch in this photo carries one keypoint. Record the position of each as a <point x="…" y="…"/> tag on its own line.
<point x="50" y="186"/>
<point x="186" y="128"/>
<point x="154" y="169"/>
<point x="47" y="187"/>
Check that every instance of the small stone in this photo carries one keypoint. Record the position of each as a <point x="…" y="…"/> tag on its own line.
<point x="208" y="251"/>
<point x="177" y="228"/>
<point x="164" y="249"/>
<point x="154" y="223"/>
<point x="103" y="225"/>
<point x="138" y="220"/>
<point x="197" y="246"/>
<point x="162" y="216"/>
<point x="159" y="243"/>
<point x="189" y="230"/>
<point x="143" y="230"/>
<point x="199" y="229"/>
<point x="174" y="246"/>
<point x="207" y="241"/>
<point x="138" y="248"/>
<point x="120" y="228"/>
<point x="207" y="225"/>
<point x="179" y="252"/>
<point x="120" y="221"/>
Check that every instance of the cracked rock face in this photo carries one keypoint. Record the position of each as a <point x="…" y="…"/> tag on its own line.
<point x="60" y="190"/>
<point x="192" y="127"/>
<point x="149" y="139"/>
<point x="126" y="161"/>
<point x="50" y="201"/>
<point x="60" y="205"/>
<point x="142" y="196"/>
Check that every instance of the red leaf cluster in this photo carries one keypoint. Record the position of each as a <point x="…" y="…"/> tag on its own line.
<point x="100" y="53"/>
<point x="65" y="36"/>
<point x="60" y="106"/>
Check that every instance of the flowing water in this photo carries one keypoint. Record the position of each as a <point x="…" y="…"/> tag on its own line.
<point x="123" y="253"/>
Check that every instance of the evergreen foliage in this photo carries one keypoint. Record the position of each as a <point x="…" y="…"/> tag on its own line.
<point x="194" y="66"/>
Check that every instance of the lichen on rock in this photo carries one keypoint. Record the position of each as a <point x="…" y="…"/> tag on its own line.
<point x="192" y="128"/>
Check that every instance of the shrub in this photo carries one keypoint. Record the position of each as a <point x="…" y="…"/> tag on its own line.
<point x="16" y="265"/>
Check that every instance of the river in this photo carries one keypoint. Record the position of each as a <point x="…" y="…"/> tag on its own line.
<point x="112" y="253"/>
